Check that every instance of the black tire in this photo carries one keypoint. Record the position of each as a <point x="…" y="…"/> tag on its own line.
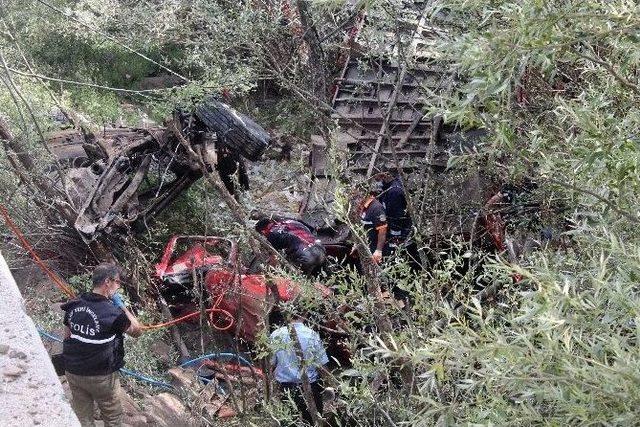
<point x="237" y="131"/>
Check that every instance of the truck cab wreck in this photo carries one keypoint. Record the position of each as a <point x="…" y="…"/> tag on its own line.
<point x="238" y="301"/>
<point x="122" y="178"/>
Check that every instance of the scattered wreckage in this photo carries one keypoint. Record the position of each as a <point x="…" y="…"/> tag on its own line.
<point x="239" y="301"/>
<point x="234" y="293"/>
<point x="122" y="178"/>
<point x="379" y="103"/>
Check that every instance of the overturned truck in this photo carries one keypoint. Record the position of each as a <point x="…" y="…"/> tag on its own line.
<point x="380" y="103"/>
<point x="122" y="178"/>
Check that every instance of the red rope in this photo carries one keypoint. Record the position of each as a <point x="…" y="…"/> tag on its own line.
<point x="210" y="311"/>
<point x="25" y="244"/>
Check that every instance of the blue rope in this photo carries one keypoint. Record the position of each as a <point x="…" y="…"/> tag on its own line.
<point x="51" y="337"/>
<point x="217" y="356"/>
<point x="145" y="379"/>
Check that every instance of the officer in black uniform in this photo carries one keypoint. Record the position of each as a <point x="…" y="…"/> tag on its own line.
<point x="374" y="222"/>
<point x="393" y="199"/>
<point x="93" y="349"/>
<point x="228" y="164"/>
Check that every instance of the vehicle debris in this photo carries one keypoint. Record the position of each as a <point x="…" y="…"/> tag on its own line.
<point x="233" y="292"/>
<point x="124" y="177"/>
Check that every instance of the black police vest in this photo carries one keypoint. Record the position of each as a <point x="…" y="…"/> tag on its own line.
<point x="93" y="348"/>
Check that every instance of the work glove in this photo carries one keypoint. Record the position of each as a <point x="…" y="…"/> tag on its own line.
<point x="377" y="256"/>
<point x="116" y="299"/>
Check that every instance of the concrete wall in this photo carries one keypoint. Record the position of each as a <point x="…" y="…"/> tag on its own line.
<point x="30" y="391"/>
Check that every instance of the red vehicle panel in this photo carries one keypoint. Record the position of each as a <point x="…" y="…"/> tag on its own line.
<point x="246" y="296"/>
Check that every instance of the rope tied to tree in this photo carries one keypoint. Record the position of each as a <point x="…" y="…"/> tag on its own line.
<point x="65" y="288"/>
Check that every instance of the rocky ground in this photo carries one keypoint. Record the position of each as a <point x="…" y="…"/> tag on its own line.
<point x="163" y="410"/>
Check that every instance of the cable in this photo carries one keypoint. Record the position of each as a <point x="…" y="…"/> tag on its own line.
<point x="93" y="85"/>
<point x="146" y="379"/>
<point x="215" y="356"/>
<point x="113" y="39"/>
<point x="210" y="356"/>
<point x="47" y="335"/>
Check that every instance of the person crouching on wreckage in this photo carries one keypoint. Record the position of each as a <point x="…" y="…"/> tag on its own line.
<point x="301" y="247"/>
<point x="373" y="218"/>
<point x="93" y="348"/>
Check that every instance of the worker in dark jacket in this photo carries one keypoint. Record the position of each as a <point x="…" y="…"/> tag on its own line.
<point x="301" y="247"/>
<point x="229" y="164"/>
<point x="393" y="199"/>
<point x="93" y="348"/>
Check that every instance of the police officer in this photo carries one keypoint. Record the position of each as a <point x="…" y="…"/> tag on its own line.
<point x="301" y="247"/>
<point x="93" y="349"/>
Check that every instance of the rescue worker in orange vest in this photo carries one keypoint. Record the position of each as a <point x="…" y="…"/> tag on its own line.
<point x="374" y="222"/>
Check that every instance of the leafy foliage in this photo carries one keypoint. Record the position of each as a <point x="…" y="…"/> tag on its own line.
<point x="556" y="85"/>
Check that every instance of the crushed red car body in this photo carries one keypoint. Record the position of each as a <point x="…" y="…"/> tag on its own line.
<point x="248" y="297"/>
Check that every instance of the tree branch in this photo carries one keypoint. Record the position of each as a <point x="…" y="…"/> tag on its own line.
<point x="39" y="130"/>
<point x="626" y="214"/>
<point x="112" y="39"/>
<point x="623" y="81"/>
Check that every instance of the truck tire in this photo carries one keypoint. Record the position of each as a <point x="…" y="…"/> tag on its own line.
<point x="237" y="131"/>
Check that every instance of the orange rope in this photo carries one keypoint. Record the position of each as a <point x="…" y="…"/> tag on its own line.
<point x="195" y="313"/>
<point x="25" y="244"/>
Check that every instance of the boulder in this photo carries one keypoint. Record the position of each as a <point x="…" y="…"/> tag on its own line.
<point x="162" y="351"/>
<point x="184" y="379"/>
<point x="133" y="414"/>
<point x="137" y="421"/>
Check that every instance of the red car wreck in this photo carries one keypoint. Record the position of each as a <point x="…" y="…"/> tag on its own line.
<point x="235" y="299"/>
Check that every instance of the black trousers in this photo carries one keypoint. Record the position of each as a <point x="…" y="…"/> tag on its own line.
<point x="296" y="394"/>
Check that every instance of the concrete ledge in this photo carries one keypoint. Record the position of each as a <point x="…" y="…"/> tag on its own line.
<point x="30" y="391"/>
